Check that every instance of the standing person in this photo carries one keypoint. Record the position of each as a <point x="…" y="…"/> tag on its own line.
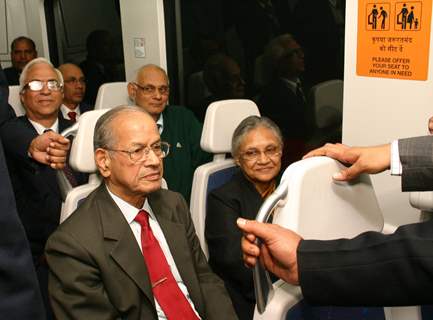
<point x="23" y="50"/>
<point x="130" y="250"/>
<point x="73" y="92"/>
<point x="177" y="125"/>
<point x="35" y="184"/>
<point x="342" y="272"/>
<point x="256" y="148"/>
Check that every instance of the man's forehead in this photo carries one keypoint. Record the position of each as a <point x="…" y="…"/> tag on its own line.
<point x="41" y="70"/>
<point x="23" y="44"/>
<point x="70" y="69"/>
<point x="152" y="76"/>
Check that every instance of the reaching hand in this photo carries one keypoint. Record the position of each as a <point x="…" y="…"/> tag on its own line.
<point x="278" y="249"/>
<point x="361" y="159"/>
<point x="50" y="148"/>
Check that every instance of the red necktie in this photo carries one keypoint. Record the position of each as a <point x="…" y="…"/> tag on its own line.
<point x="72" y="116"/>
<point x="164" y="287"/>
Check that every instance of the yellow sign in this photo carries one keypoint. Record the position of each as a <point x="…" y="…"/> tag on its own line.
<point x="394" y="39"/>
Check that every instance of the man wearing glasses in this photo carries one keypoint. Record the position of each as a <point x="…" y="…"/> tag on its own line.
<point x="74" y="89"/>
<point x="177" y="125"/>
<point x="26" y="140"/>
<point x="130" y="250"/>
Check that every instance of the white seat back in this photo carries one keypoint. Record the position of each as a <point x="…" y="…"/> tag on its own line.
<point x="15" y="101"/>
<point x="111" y="95"/>
<point x="327" y="100"/>
<point x="222" y="118"/>
<point x="316" y="207"/>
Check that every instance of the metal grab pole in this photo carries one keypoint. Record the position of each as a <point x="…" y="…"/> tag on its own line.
<point x="262" y="282"/>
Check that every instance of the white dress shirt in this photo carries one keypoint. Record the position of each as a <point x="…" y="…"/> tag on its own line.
<point x="130" y="212"/>
<point x="41" y="129"/>
<point x="64" y="109"/>
<point x="395" y="165"/>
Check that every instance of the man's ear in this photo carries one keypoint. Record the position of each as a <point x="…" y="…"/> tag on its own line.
<point x="237" y="161"/>
<point x="132" y="91"/>
<point x="103" y="162"/>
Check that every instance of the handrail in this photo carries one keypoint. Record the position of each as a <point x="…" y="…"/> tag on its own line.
<point x="262" y="282"/>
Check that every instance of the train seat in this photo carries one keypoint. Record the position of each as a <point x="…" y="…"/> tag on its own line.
<point x="222" y="118"/>
<point x="111" y="95"/>
<point x="338" y="210"/>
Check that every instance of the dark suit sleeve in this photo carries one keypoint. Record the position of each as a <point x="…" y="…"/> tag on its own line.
<point x="6" y="111"/>
<point x="17" y="137"/>
<point x="372" y="269"/>
<point x="19" y="291"/>
<point x="75" y="285"/>
<point x="198" y="156"/>
<point x="216" y="300"/>
<point x="416" y="156"/>
<point x="224" y="242"/>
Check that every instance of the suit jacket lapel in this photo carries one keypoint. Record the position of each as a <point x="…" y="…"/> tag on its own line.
<point x="174" y="233"/>
<point x="125" y="250"/>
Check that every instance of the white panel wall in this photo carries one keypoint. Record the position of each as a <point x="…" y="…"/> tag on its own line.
<point x="24" y="18"/>
<point x="378" y="110"/>
<point x="143" y="20"/>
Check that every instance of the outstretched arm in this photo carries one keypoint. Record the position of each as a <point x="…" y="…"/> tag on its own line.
<point x="360" y="159"/>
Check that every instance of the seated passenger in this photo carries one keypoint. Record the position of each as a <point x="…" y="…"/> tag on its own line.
<point x="283" y="98"/>
<point x="23" y="50"/>
<point x="130" y="250"/>
<point x="74" y="90"/>
<point x="256" y="148"/>
<point x="222" y="77"/>
<point x="177" y="125"/>
<point x="34" y="183"/>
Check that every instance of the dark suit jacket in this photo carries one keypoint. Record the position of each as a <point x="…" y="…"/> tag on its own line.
<point x="373" y="268"/>
<point x="84" y="107"/>
<point x="35" y="185"/>
<point x="6" y="111"/>
<point x="19" y="291"/>
<point x="237" y="198"/>
<point x="13" y="76"/>
<point x="279" y="103"/>
<point x="98" y="271"/>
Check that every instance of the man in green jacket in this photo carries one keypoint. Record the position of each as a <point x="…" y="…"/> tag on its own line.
<point x="177" y="125"/>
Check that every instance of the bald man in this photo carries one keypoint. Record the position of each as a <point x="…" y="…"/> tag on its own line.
<point x="74" y="90"/>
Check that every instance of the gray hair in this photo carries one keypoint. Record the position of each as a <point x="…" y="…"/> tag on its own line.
<point x="33" y="62"/>
<point x="249" y="124"/>
<point x="103" y="136"/>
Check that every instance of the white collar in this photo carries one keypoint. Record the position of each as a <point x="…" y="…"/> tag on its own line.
<point x="128" y="210"/>
<point x="160" y="123"/>
<point x="40" y="128"/>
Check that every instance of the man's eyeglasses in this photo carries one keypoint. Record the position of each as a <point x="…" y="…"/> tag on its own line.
<point x="151" y="90"/>
<point x="270" y="152"/>
<point x="160" y="149"/>
<point x="75" y="81"/>
<point x="38" y="85"/>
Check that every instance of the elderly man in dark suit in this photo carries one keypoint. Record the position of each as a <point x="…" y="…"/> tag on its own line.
<point x="130" y="250"/>
<point x="34" y="182"/>
<point x="398" y="266"/>
<point x="74" y="90"/>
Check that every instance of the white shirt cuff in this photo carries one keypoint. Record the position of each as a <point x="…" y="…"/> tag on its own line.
<point x="396" y="168"/>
